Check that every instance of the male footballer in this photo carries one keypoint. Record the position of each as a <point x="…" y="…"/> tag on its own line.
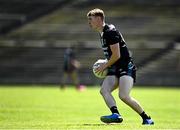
<point x="121" y="69"/>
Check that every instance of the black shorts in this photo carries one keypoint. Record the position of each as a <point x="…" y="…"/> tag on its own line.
<point x="129" y="70"/>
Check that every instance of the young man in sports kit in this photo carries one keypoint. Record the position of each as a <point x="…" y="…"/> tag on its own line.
<point x="70" y="69"/>
<point x="121" y="69"/>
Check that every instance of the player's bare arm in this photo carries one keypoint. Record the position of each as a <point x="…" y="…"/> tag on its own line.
<point x="114" y="57"/>
<point x="115" y="54"/>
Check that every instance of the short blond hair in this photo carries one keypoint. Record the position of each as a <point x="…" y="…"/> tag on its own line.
<point x="96" y="12"/>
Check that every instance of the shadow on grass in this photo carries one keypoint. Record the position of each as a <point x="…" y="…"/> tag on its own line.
<point x="93" y="124"/>
<point x="89" y="124"/>
<point x="99" y="124"/>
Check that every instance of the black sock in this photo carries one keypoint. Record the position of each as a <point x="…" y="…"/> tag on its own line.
<point x="114" y="109"/>
<point x="144" y="115"/>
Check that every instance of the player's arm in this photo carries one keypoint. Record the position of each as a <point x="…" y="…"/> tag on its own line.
<point x="114" y="57"/>
<point x="113" y="38"/>
<point x="75" y="63"/>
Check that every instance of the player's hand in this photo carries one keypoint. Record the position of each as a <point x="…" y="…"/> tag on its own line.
<point x="101" y="68"/>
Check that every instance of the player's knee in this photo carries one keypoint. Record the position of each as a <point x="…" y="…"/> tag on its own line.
<point x="124" y="97"/>
<point x="103" y="91"/>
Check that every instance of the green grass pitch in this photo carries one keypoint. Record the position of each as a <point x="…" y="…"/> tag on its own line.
<point x="48" y="107"/>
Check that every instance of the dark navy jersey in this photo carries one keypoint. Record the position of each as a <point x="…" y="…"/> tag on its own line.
<point x="69" y="56"/>
<point x="110" y="36"/>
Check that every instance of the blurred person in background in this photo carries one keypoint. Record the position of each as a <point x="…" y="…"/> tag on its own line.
<point x="121" y="69"/>
<point x="70" y="69"/>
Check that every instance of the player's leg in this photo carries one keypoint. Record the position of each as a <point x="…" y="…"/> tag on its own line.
<point x="110" y="83"/>
<point x="125" y="86"/>
<point x="64" y="80"/>
<point x="74" y="77"/>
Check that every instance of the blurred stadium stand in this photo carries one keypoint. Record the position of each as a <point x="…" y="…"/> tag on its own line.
<point x="15" y="13"/>
<point x="35" y="33"/>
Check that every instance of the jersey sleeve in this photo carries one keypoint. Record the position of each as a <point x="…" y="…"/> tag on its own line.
<point x="112" y="37"/>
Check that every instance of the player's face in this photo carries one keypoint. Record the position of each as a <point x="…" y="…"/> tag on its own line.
<point x="93" y="22"/>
